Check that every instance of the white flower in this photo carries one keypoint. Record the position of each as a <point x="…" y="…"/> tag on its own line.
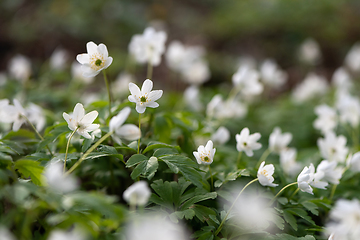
<point x="96" y="59"/>
<point x="129" y="132"/>
<point x="196" y="73"/>
<point x="247" y="81"/>
<point x="305" y="178"/>
<point x="191" y="98"/>
<point x="5" y="234"/>
<point x="154" y="227"/>
<point x="205" y="155"/>
<point x="278" y="141"/>
<point x="66" y="235"/>
<point x="231" y="108"/>
<point x="55" y="178"/>
<point x="332" y="237"/>
<point x="352" y="59"/>
<point x="354" y="162"/>
<point x="349" y="109"/>
<point x="58" y="59"/>
<point x="20" y="68"/>
<point x="333" y="148"/>
<point x="265" y="173"/>
<point x="345" y="220"/>
<point x="148" y="47"/>
<point x="327" y="118"/>
<point x="77" y="73"/>
<point x="137" y="194"/>
<point x="288" y="161"/>
<point x="221" y="136"/>
<point x="271" y="75"/>
<point x="332" y="174"/>
<point x="7" y="111"/>
<point x="341" y="79"/>
<point x="18" y="115"/>
<point x="121" y="84"/>
<point x="246" y="142"/>
<point x="309" y="52"/>
<point x="312" y="86"/>
<point x="36" y="116"/>
<point x="83" y="124"/>
<point x="144" y="97"/>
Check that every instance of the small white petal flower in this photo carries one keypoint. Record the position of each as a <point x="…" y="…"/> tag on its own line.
<point x="305" y="178"/>
<point x="344" y="221"/>
<point x="58" y="59"/>
<point x="148" y="47"/>
<point x="221" y="136"/>
<point x="219" y="109"/>
<point x="349" y="108"/>
<point x="196" y="73"/>
<point x="278" y="141"/>
<point x="341" y="79"/>
<point x="20" y="68"/>
<point x="205" y="155"/>
<point x="333" y="148"/>
<point x="18" y="115"/>
<point x="288" y="162"/>
<point x="137" y="194"/>
<point x="352" y="59"/>
<point x="327" y="118"/>
<point x="144" y="97"/>
<point x="129" y="132"/>
<point x="36" y="116"/>
<point x="83" y="124"/>
<point x="271" y="75"/>
<point x="247" y="142"/>
<point x="312" y="86"/>
<point x="265" y="173"/>
<point x="332" y="174"/>
<point x="55" y="178"/>
<point x="309" y="52"/>
<point x="247" y="81"/>
<point x="96" y="59"/>
<point x="354" y="162"/>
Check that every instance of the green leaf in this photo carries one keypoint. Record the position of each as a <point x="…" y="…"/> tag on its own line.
<point x="206" y="233"/>
<point x="151" y="167"/>
<point x="301" y="213"/>
<point x="53" y="133"/>
<point x="204" y="213"/>
<point x="17" y="147"/>
<point x="188" y="214"/>
<point x="135" y="159"/>
<point x="290" y="219"/>
<point x="138" y="170"/>
<point x="165" y="151"/>
<point x="231" y="176"/>
<point x="146" y="167"/>
<point x="187" y="167"/>
<point x="20" y="134"/>
<point x="31" y="169"/>
<point x="154" y="145"/>
<point x="312" y="207"/>
<point x="199" y="198"/>
<point x="279" y="222"/>
<point x="5" y="160"/>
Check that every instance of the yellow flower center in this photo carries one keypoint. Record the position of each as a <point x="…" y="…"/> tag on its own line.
<point x="143" y="99"/>
<point x="264" y="172"/>
<point x="97" y="61"/>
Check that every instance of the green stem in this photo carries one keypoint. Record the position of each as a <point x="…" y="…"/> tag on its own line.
<point x="67" y="147"/>
<point x="37" y="133"/>
<point x="333" y="192"/>
<point x="294" y="193"/>
<point x="263" y="157"/>
<point x="93" y="147"/>
<point x="107" y="83"/>
<point x="212" y="180"/>
<point x="138" y="150"/>
<point x="355" y="137"/>
<point x="238" y="160"/>
<point x="224" y="219"/>
<point x="272" y="200"/>
<point x="149" y="70"/>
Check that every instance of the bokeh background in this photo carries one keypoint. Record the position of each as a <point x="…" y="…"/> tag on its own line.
<point x="227" y="29"/>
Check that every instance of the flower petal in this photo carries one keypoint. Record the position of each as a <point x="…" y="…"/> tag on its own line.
<point x="91" y="48"/>
<point x="84" y="133"/>
<point x="79" y="112"/>
<point x="102" y="49"/>
<point x="152" y="104"/>
<point x="92" y="127"/>
<point x="89" y="118"/>
<point x="146" y="87"/>
<point x="129" y="132"/>
<point x="140" y="108"/>
<point x="119" y="119"/>
<point x="83" y="58"/>
<point x="108" y="62"/>
<point x="134" y="90"/>
<point x="155" y="95"/>
<point x="132" y="98"/>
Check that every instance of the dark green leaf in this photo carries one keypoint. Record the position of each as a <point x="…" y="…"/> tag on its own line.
<point x="154" y="145"/>
<point x="290" y="219"/>
<point x="31" y="169"/>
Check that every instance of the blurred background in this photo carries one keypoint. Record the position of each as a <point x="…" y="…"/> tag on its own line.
<point x="227" y="29"/>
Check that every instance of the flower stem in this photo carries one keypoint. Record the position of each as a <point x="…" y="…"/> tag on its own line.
<point x="149" y="70"/>
<point x="212" y="180"/>
<point x="332" y="192"/>
<point x="238" y="160"/>
<point x="93" y="147"/>
<point x="67" y="147"/>
<point x="138" y="150"/>
<point x="37" y="133"/>
<point x="294" y="193"/>
<point x="272" y="200"/>
<point x="107" y="83"/>
<point x="263" y="157"/>
<point x="224" y="219"/>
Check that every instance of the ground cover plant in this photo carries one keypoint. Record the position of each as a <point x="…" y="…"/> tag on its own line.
<point x="88" y="155"/>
